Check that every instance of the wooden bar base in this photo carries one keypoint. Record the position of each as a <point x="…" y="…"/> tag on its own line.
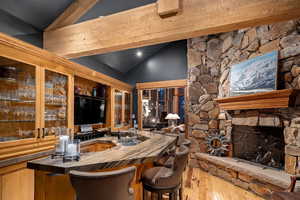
<point x="50" y="186"/>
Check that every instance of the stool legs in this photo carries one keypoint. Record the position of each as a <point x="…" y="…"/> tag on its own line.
<point x="160" y="196"/>
<point x="145" y="194"/>
<point x="173" y="195"/>
<point x="180" y="193"/>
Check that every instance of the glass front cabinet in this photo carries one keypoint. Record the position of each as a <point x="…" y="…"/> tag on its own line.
<point x="33" y="107"/>
<point x="121" y="108"/>
<point x="56" y="103"/>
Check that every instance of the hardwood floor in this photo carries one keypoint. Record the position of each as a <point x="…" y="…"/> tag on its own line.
<point x="199" y="185"/>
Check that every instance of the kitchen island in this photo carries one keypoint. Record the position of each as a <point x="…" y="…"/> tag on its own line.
<point x="51" y="175"/>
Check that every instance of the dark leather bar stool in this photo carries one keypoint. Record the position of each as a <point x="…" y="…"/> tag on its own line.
<point x="187" y="142"/>
<point x="163" y="180"/>
<point x="289" y="194"/>
<point x="167" y="159"/>
<point x="113" y="185"/>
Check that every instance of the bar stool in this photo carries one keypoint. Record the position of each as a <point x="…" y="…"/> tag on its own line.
<point x="163" y="180"/>
<point x="114" y="185"/>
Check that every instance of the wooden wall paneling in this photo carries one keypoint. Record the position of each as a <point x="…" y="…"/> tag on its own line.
<point x="16" y="182"/>
<point x="168" y="7"/>
<point x="52" y="186"/>
<point x="85" y="84"/>
<point x="140" y="109"/>
<point x="18" y="185"/>
<point x="124" y="30"/>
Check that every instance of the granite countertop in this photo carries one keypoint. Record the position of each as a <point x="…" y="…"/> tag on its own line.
<point x="146" y="151"/>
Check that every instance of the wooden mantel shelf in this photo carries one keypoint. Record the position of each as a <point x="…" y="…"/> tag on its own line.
<point x="274" y="99"/>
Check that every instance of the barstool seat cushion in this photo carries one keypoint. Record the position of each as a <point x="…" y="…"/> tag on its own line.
<point x="286" y="196"/>
<point x="187" y="142"/>
<point x="159" y="177"/>
<point x="170" y="162"/>
<point x="165" y="162"/>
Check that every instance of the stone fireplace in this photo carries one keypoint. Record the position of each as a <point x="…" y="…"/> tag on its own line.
<point x="268" y="139"/>
<point x="262" y="145"/>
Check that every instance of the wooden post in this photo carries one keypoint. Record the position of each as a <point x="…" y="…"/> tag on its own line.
<point x="70" y="102"/>
<point x="176" y="100"/>
<point x="140" y="109"/>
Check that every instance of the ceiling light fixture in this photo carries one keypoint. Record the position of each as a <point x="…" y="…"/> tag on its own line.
<point x="139" y="54"/>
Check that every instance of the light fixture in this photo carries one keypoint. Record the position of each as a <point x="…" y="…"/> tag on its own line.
<point x="139" y="54"/>
<point x="172" y="119"/>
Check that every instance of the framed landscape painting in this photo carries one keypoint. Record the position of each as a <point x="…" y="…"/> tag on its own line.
<point x="255" y="75"/>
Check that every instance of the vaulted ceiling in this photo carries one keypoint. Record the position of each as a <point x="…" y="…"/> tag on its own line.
<point x="38" y="14"/>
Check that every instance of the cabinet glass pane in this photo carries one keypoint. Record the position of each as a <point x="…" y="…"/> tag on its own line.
<point x="17" y="100"/>
<point x="118" y="108"/>
<point x="127" y="109"/>
<point x="56" y="90"/>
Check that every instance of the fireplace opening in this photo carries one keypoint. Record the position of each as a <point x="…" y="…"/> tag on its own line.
<point x="263" y="145"/>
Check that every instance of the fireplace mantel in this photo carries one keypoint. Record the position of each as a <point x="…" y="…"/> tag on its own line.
<point x="274" y="99"/>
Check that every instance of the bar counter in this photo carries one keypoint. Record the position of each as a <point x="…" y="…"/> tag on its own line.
<point x="51" y="175"/>
<point x="117" y="156"/>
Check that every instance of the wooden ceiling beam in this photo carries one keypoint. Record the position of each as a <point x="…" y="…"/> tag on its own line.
<point x="143" y="26"/>
<point x="73" y="13"/>
<point x="168" y="7"/>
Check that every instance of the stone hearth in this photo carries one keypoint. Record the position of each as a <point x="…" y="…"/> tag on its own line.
<point x="255" y="178"/>
<point x="209" y="61"/>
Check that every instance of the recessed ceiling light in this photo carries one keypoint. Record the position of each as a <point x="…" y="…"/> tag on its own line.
<point x="139" y="54"/>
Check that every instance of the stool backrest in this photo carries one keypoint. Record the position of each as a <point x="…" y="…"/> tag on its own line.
<point x="114" y="185"/>
<point x="180" y="161"/>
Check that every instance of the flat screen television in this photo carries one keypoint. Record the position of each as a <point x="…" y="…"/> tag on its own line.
<point x="89" y="110"/>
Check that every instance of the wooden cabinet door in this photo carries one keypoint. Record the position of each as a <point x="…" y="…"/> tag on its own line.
<point x="18" y="185"/>
<point x="57" y="97"/>
<point x="127" y="108"/>
<point x="121" y="108"/>
<point x="20" y="110"/>
<point x="18" y="100"/>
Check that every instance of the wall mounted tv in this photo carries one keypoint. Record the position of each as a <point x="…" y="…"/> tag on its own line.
<point x="89" y="110"/>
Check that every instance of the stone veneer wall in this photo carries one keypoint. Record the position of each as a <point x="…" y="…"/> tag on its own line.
<point x="209" y="61"/>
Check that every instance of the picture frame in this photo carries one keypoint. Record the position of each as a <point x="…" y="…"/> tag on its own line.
<point x="255" y="75"/>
